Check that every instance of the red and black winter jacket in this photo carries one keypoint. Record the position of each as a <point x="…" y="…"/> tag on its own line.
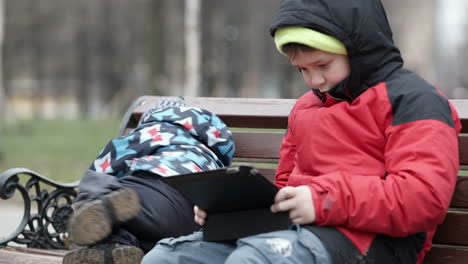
<point x="381" y="161"/>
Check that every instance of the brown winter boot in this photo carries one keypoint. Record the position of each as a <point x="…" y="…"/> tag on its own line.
<point x="94" y="221"/>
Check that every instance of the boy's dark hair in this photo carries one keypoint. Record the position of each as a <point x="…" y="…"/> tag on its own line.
<point x="291" y="49"/>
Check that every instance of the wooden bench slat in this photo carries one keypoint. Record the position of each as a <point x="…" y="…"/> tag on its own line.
<point x="235" y="112"/>
<point x="268" y="173"/>
<point x="446" y="255"/>
<point x="255" y="122"/>
<point x="460" y="197"/>
<point x="454" y="229"/>
<point x="42" y="252"/>
<point x="274" y="108"/>
<point x="462" y="110"/>
<point x="270" y="123"/>
<point x="235" y="121"/>
<point x="246" y="139"/>
<point x="463" y="149"/>
<point x="266" y="145"/>
<point x="462" y="142"/>
<point x="258" y="144"/>
<point x="14" y="257"/>
<point x="218" y="105"/>
<point x="459" y="200"/>
<point x="247" y="106"/>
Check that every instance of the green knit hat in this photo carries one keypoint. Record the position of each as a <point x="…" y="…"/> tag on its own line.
<point x="308" y="37"/>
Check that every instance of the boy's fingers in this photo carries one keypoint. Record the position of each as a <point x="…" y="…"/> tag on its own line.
<point x="297" y="220"/>
<point x="199" y="212"/>
<point x="285" y="193"/>
<point x="296" y="217"/>
<point x="199" y="220"/>
<point x="293" y="214"/>
<point x="283" y="206"/>
<point x="200" y="215"/>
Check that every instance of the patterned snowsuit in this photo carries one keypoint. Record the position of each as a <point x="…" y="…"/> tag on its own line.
<point x="170" y="140"/>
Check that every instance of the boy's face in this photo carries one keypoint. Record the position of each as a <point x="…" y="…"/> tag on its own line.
<point x="321" y="70"/>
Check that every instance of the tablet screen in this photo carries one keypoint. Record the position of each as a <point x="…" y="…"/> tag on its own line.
<point x="226" y="190"/>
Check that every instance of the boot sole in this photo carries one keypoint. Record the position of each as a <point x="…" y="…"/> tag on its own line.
<point x="127" y="255"/>
<point x="92" y="222"/>
<point x="119" y="255"/>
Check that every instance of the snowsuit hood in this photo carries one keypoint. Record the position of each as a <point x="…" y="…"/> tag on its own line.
<point x="171" y="139"/>
<point x="361" y="25"/>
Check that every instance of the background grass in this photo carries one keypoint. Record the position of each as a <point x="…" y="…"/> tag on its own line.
<point x="61" y="150"/>
<point x="58" y="149"/>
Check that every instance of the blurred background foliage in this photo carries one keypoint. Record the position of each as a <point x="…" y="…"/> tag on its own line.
<point x="58" y="149"/>
<point x="69" y="69"/>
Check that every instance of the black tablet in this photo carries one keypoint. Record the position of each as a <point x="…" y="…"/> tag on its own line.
<point x="237" y="200"/>
<point x="231" y="189"/>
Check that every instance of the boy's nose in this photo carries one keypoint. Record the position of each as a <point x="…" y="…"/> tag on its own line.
<point x="316" y="79"/>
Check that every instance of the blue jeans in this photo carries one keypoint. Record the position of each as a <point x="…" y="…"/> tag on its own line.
<point x="295" y="245"/>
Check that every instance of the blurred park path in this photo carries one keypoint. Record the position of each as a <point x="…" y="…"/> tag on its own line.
<point x="11" y="213"/>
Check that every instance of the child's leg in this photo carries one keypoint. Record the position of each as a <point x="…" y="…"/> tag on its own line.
<point x="95" y="220"/>
<point x="157" y="211"/>
<point x="101" y="203"/>
<point x="296" y="245"/>
<point x="163" y="211"/>
<point x="188" y="249"/>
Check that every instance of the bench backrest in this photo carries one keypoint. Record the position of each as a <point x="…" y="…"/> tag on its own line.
<point x="259" y="126"/>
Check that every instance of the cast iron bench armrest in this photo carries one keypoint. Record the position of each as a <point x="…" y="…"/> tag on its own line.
<point x="45" y="228"/>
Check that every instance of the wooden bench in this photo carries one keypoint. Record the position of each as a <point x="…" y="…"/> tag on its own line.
<point x="258" y="128"/>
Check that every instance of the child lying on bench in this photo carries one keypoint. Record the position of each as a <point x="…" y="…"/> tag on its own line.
<point x="123" y="208"/>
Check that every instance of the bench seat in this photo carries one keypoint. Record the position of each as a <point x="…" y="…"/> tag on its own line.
<point x="258" y="127"/>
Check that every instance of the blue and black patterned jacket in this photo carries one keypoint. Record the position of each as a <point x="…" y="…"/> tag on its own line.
<point x="169" y="141"/>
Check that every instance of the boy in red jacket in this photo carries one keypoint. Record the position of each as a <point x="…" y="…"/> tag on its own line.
<point x="368" y="165"/>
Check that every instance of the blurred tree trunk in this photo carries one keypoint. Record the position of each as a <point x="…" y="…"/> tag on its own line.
<point x="192" y="47"/>
<point x="462" y="66"/>
<point x="236" y="48"/>
<point x="252" y="43"/>
<point x="214" y="49"/>
<point x="127" y="62"/>
<point x="170" y="75"/>
<point x="2" y="86"/>
<point x="413" y="29"/>
<point x="239" y="56"/>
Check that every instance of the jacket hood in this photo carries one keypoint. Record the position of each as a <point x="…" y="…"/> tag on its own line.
<point x="171" y="139"/>
<point x="193" y="126"/>
<point x="361" y="25"/>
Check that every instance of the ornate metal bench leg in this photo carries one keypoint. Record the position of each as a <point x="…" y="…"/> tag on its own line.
<point x="45" y="228"/>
